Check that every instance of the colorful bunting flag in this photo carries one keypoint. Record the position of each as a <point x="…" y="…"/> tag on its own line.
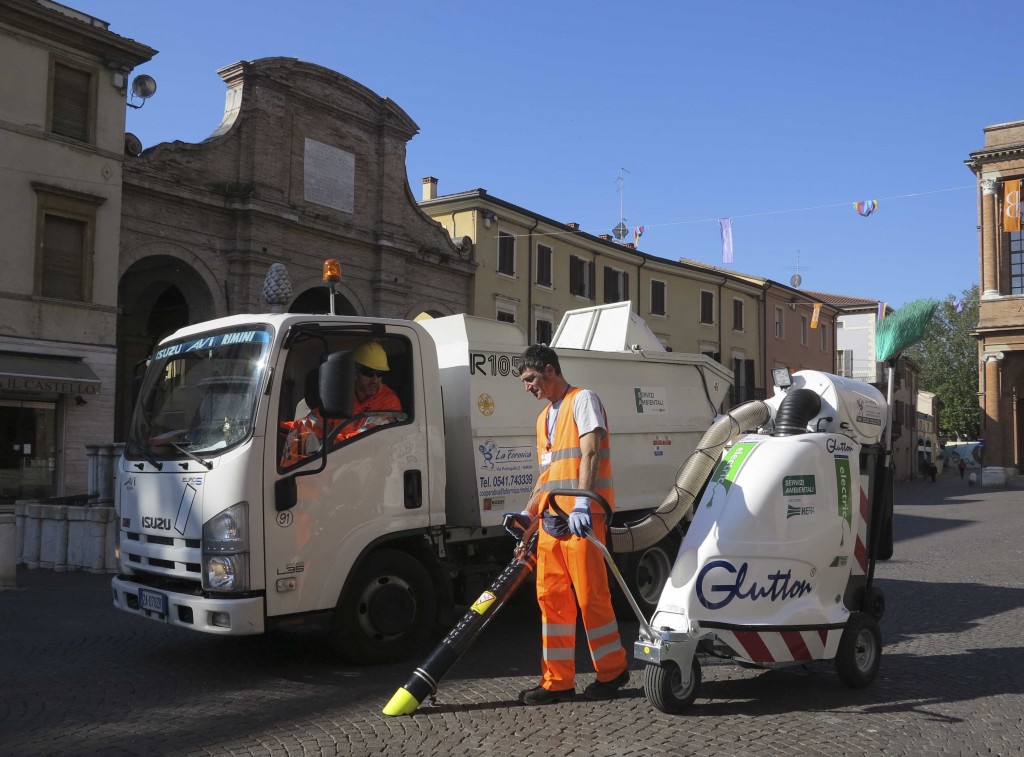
<point x="637" y="233"/>
<point x="959" y="305"/>
<point x="866" y="207"/>
<point x="881" y="310"/>
<point x="725" y="224"/>
<point x="814" y="315"/>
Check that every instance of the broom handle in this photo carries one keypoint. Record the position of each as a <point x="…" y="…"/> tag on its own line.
<point x="888" y="400"/>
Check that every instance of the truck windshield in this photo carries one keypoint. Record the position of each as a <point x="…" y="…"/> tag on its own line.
<point x="199" y="396"/>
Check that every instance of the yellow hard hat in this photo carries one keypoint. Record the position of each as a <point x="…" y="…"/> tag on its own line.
<point x="372" y="355"/>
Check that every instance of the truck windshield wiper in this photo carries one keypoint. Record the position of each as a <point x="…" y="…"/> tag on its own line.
<point x="150" y="457"/>
<point x="182" y="450"/>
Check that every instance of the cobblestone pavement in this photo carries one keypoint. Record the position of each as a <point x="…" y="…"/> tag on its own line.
<point x="79" y="678"/>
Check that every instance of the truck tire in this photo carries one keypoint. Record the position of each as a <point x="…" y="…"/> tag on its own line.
<point x="388" y="609"/>
<point x="646" y="572"/>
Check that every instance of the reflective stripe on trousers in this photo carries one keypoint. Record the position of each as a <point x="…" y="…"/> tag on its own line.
<point x="562" y="564"/>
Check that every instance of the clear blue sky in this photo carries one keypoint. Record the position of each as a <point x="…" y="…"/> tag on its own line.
<point x="724" y="109"/>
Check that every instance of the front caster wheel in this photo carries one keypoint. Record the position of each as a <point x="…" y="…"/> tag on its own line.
<point x="664" y="687"/>
<point x="860" y="651"/>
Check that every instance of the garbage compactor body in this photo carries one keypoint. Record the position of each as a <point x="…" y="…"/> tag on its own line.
<point x="776" y="565"/>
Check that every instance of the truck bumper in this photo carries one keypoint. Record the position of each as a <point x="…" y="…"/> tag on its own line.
<point x="228" y="617"/>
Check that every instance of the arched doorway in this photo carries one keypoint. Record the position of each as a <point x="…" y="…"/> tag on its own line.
<point x="156" y="296"/>
<point x="316" y="300"/>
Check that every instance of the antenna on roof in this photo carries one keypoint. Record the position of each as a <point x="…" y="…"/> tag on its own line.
<point x="795" y="280"/>
<point x="621" y="230"/>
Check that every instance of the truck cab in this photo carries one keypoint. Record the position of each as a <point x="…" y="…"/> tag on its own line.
<point x="242" y="505"/>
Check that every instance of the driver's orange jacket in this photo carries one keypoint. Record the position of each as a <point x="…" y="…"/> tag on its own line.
<point x="304" y="430"/>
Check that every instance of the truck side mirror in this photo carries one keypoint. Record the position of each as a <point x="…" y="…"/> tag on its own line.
<point x="337" y="385"/>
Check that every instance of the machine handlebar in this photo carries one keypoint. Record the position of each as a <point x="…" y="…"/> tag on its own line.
<point x="551" y="495"/>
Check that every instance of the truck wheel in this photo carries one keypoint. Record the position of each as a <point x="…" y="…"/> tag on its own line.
<point x="860" y="651"/>
<point x="663" y="685"/>
<point x="647" y="571"/>
<point x="388" y="610"/>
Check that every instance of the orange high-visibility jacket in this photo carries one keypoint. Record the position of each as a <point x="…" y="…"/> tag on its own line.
<point x="563" y="470"/>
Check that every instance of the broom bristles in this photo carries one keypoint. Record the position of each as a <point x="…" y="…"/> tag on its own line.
<point x="903" y="328"/>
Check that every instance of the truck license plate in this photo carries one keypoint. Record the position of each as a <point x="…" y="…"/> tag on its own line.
<point x="153" y="601"/>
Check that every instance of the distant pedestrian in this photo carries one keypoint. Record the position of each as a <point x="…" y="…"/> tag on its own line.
<point x="962" y="466"/>
<point x="932" y="470"/>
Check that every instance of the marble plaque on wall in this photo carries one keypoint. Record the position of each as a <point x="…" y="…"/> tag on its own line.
<point x="330" y="176"/>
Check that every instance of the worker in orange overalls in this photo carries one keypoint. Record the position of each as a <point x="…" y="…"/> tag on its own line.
<point x="371" y="394"/>
<point x="574" y="453"/>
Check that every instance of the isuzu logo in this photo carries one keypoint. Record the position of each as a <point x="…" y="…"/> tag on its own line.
<point x="157" y="524"/>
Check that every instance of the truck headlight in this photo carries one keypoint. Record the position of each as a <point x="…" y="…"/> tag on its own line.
<point x="226" y="549"/>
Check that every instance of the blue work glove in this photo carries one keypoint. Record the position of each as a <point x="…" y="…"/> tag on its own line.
<point x="579" y="519"/>
<point x="516" y="523"/>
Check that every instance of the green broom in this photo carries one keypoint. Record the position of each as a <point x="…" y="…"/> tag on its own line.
<point x="893" y="335"/>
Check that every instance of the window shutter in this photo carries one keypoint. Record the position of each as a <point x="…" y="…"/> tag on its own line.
<point x="70" y="102"/>
<point x="63" y="253"/>
<point x="609" y="285"/>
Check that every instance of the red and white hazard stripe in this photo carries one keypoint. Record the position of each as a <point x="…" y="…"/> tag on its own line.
<point x="860" y="550"/>
<point x="782" y="646"/>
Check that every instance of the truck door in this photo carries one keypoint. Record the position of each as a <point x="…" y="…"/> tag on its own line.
<point x="375" y="475"/>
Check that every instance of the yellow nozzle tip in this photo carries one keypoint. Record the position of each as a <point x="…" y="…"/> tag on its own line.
<point x="402" y="703"/>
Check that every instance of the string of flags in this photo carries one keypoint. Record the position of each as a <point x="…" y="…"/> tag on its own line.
<point x="881" y="310"/>
<point x="1014" y="201"/>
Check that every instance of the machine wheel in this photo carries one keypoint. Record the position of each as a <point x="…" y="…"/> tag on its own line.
<point x="388" y="610"/>
<point x="874" y="603"/>
<point x="860" y="651"/>
<point x="647" y="571"/>
<point x="664" y="687"/>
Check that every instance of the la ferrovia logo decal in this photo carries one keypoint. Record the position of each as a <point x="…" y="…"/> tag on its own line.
<point x="733" y="584"/>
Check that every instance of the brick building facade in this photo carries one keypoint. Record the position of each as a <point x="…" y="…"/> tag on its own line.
<point x="306" y="164"/>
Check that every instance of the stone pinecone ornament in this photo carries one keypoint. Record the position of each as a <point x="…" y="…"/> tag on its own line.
<point x="277" y="287"/>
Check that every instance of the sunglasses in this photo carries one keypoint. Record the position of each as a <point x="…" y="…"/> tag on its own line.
<point x="370" y="373"/>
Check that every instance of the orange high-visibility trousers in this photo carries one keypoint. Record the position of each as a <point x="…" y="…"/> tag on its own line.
<point x="561" y="565"/>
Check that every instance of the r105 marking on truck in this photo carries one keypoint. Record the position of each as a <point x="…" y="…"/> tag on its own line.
<point x="494" y="364"/>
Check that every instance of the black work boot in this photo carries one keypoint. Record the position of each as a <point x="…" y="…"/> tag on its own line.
<point x="540" y="695"/>
<point x="607" y="689"/>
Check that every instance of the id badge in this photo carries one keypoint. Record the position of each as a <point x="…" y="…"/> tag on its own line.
<point x="545" y="458"/>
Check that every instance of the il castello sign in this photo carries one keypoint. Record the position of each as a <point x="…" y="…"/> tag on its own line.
<point x="20" y="373"/>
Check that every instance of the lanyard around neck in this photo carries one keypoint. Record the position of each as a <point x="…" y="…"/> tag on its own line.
<point x="552" y="414"/>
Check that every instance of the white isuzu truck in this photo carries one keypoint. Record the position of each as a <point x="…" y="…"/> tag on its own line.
<point x="396" y="516"/>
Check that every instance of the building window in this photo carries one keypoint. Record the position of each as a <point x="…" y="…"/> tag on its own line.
<point x="742" y="389"/>
<point x="707" y="307"/>
<point x="616" y="285"/>
<point x="657" y="297"/>
<point x="581" y="277"/>
<point x="71" y="104"/>
<point x="844" y="363"/>
<point x="803" y="330"/>
<point x="506" y="315"/>
<point x="506" y="254"/>
<point x="544" y="256"/>
<point x="1017" y="262"/>
<point x="65" y="230"/>
<point x="711" y="350"/>
<point x="544" y="331"/>
<point x="780" y="320"/>
<point x="823" y="329"/>
<point x="737" y="315"/>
